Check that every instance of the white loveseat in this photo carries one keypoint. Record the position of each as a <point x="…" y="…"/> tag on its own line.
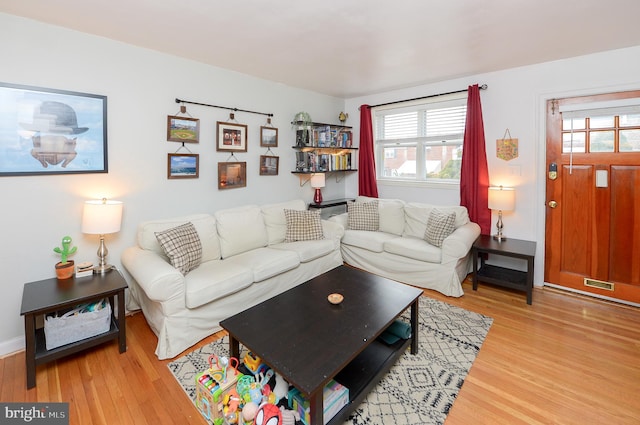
<point x="244" y="261"/>
<point x="398" y="249"/>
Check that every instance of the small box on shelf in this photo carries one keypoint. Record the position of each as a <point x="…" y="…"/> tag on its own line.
<point x="84" y="269"/>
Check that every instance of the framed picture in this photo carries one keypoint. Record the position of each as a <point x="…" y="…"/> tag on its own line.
<point x="269" y="165"/>
<point x="183" y="129"/>
<point x="183" y="165"/>
<point x="231" y="137"/>
<point x="269" y="137"/>
<point x="48" y="131"/>
<point x="232" y="175"/>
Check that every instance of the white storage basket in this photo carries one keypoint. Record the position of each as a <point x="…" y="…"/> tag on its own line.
<point x="77" y="324"/>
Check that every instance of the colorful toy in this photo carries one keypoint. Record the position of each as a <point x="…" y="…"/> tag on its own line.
<point x="249" y="412"/>
<point x="289" y="417"/>
<point x="230" y="407"/>
<point x="66" y="249"/>
<point x="254" y="363"/>
<point x="214" y="384"/>
<point x="280" y="389"/>
<point x="268" y="414"/>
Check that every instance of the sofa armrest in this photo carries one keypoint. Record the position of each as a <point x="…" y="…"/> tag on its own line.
<point x="458" y="244"/>
<point x="341" y="219"/>
<point x="159" y="280"/>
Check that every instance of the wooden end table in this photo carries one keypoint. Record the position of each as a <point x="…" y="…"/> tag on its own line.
<point x="503" y="276"/>
<point x="51" y="295"/>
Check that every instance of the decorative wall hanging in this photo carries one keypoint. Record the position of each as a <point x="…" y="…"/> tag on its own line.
<point x="268" y="137"/>
<point x="183" y="129"/>
<point x="232" y="175"/>
<point x="48" y="131"/>
<point x="231" y="137"/>
<point x="507" y="148"/>
<point x="269" y="165"/>
<point x="183" y="166"/>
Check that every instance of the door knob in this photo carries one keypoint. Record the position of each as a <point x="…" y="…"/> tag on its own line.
<point x="553" y="204"/>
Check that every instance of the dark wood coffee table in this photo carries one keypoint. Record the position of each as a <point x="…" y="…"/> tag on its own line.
<point x="310" y="341"/>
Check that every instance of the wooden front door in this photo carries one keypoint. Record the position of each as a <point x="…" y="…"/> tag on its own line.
<point x="592" y="235"/>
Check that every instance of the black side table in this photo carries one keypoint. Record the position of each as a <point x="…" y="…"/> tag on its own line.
<point x="503" y="276"/>
<point x="51" y="295"/>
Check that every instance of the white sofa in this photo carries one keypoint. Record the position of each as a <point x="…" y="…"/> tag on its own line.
<point x="398" y="249"/>
<point x="244" y="262"/>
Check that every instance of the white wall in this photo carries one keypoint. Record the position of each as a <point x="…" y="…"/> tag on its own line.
<point x="141" y="86"/>
<point x="515" y="99"/>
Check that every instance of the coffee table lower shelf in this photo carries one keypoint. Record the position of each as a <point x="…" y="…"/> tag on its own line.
<point x="365" y="371"/>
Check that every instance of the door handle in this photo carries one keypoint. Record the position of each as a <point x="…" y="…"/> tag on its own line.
<point x="553" y="204"/>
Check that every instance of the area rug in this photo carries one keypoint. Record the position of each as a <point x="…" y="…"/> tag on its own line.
<point x="419" y="389"/>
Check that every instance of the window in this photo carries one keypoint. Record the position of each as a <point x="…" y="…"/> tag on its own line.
<point x="421" y="141"/>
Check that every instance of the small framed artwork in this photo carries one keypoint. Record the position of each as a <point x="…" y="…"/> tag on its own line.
<point x="48" y="131"/>
<point x="183" y="165"/>
<point x="183" y="129"/>
<point x="269" y="137"/>
<point x="269" y="165"/>
<point x="232" y="175"/>
<point x="231" y="137"/>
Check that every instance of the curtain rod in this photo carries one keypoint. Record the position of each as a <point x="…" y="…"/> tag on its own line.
<point x="223" y="107"/>
<point x="482" y="87"/>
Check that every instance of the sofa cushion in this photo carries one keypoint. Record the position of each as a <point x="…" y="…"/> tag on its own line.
<point x="391" y="212"/>
<point x="372" y="241"/>
<point x="439" y="226"/>
<point x="214" y="280"/>
<point x="307" y="250"/>
<point x="303" y="225"/>
<point x="266" y="263"/>
<point x="275" y="221"/>
<point x="240" y="229"/>
<point x="205" y="225"/>
<point x="417" y="215"/>
<point x="182" y="246"/>
<point x="363" y="216"/>
<point x="415" y="248"/>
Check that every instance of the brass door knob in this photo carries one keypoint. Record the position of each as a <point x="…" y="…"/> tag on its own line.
<point x="553" y="204"/>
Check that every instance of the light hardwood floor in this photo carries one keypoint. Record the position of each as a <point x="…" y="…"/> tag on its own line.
<point x="566" y="359"/>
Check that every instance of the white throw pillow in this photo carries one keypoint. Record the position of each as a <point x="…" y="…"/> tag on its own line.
<point x="303" y="225"/>
<point x="274" y="218"/>
<point x="182" y="245"/>
<point x="240" y="230"/>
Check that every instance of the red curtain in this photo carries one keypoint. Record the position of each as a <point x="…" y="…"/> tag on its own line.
<point x="367" y="185"/>
<point x="474" y="177"/>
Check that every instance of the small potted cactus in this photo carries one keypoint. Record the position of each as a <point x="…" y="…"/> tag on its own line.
<point x="65" y="268"/>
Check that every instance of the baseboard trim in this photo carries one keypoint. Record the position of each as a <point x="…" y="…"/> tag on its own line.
<point x="11" y="346"/>
<point x="592" y="295"/>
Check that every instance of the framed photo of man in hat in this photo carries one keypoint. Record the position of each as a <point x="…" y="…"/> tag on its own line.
<point x="48" y="131"/>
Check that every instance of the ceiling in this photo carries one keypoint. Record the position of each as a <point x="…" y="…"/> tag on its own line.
<point x="351" y="48"/>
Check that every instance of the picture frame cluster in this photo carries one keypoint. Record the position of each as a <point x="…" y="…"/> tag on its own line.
<point x="231" y="137"/>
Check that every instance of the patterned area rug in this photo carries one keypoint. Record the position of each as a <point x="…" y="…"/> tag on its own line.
<point x="419" y="389"/>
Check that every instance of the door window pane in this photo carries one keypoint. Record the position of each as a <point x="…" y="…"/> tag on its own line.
<point x="578" y="124"/>
<point x="601" y="122"/>
<point x="629" y="120"/>
<point x="629" y="140"/>
<point x="578" y="142"/>
<point x="601" y="141"/>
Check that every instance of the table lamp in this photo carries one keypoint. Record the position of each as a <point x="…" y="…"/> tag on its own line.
<point x="317" y="181"/>
<point x="101" y="217"/>
<point x="501" y="199"/>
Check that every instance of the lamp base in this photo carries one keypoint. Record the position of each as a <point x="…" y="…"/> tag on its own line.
<point x="103" y="269"/>
<point x="500" y="238"/>
<point x="317" y="198"/>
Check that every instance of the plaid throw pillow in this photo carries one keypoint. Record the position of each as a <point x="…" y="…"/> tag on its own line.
<point x="182" y="246"/>
<point x="363" y="216"/>
<point x="439" y="226"/>
<point x="303" y="225"/>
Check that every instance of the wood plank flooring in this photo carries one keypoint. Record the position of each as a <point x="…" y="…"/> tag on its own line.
<point x="566" y="359"/>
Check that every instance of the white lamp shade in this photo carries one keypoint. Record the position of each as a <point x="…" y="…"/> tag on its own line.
<point x="100" y="217"/>
<point x="317" y="180"/>
<point x="502" y="198"/>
